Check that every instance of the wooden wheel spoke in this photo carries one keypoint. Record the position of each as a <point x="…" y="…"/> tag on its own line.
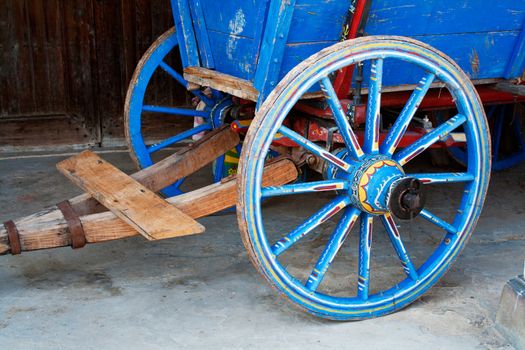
<point x="340" y="118"/>
<point x="306" y="187"/>
<point x="329" y="210"/>
<point x="173" y="73"/>
<point x="315" y="149"/>
<point x="373" y="120"/>
<point x="180" y="79"/>
<point x="179" y="137"/>
<point x="436" y="220"/>
<point x="176" y="111"/>
<point x="401" y="124"/>
<point x="439" y="133"/>
<point x="343" y="228"/>
<point x="437" y="178"/>
<point x="365" y="246"/>
<point x="399" y="247"/>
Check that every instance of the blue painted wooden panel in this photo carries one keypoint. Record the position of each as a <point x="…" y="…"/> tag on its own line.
<point x="480" y="35"/>
<point x="416" y="17"/>
<point x="296" y="53"/>
<point x="516" y="63"/>
<point x="275" y="37"/>
<point x="234" y="30"/>
<point x="480" y="55"/>
<point x="315" y="20"/>
<point x="203" y="42"/>
<point x="233" y="54"/>
<point x="295" y="30"/>
<point x="185" y="34"/>
<point x="234" y="16"/>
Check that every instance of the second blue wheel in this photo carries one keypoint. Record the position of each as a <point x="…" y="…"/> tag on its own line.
<point x="148" y="102"/>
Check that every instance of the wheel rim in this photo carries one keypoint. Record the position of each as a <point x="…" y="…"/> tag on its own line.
<point x="153" y="61"/>
<point x="269" y="122"/>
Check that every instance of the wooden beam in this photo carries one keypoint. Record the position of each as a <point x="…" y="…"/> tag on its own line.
<point x="222" y="82"/>
<point x="134" y="203"/>
<point x="227" y="83"/>
<point x="48" y="229"/>
<point x="515" y="89"/>
<point x="178" y="165"/>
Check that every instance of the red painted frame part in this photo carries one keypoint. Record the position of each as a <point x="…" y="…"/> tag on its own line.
<point x="343" y="79"/>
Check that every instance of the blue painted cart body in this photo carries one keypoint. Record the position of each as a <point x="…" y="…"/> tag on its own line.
<point x="256" y="40"/>
<point x="262" y="40"/>
<point x="486" y="38"/>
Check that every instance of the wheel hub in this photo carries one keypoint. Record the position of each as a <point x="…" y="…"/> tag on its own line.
<point x="407" y="198"/>
<point x="378" y="185"/>
<point x="371" y="184"/>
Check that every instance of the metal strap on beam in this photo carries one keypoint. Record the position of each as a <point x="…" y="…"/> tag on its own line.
<point x="76" y="231"/>
<point x="14" y="237"/>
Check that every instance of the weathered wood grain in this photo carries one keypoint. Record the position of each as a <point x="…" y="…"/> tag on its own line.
<point x="65" y="67"/>
<point x="227" y="83"/>
<point x="222" y="82"/>
<point x="48" y="229"/>
<point x="141" y="208"/>
<point x="167" y="171"/>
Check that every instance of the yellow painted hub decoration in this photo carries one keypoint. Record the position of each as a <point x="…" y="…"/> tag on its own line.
<point x="365" y="181"/>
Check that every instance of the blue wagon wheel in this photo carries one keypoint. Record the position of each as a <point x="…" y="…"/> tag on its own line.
<point x="142" y="102"/>
<point x="508" y="137"/>
<point x="367" y="183"/>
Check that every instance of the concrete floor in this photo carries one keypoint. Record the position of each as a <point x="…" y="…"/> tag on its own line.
<point x="201" y="291"/>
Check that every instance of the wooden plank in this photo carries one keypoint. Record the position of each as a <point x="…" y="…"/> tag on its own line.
<point x="229" y="84"/>
<point x="108" y="68"/>
<point x="141" y="208"/>
<point x="7" y="101"/>
<point x="40" y="132"/>
<point x="482" y="46"/>
<point x="480" y="55"/>
<point x="514" y="89"/>
<point x="73" y="59"/>
<point x="78" y="45"/>
<point x="324" y="19"/>
<point x="167" y="171"/>
<point x="48" y="229"/>
<point x="233" y="54"/>
<point x="410" y="18"/>
<point x="185" y="28"/>
<point x="273" y="44"/>
<point x="23" y="60"/>
<point x="516" y="64"/>
<point x="222" y="82"/>
<point x="199" y="25"/>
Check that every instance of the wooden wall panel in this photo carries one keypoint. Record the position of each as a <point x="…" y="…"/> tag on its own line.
<point x="65" y="66"/>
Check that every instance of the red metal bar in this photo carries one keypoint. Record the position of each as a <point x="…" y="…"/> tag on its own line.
<point x="318" y="112"/>
<point x="320" y="135"/>
<point x="441" y="98"/>
<point x="435" y="99"/>
<point x="343" y="79"/>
